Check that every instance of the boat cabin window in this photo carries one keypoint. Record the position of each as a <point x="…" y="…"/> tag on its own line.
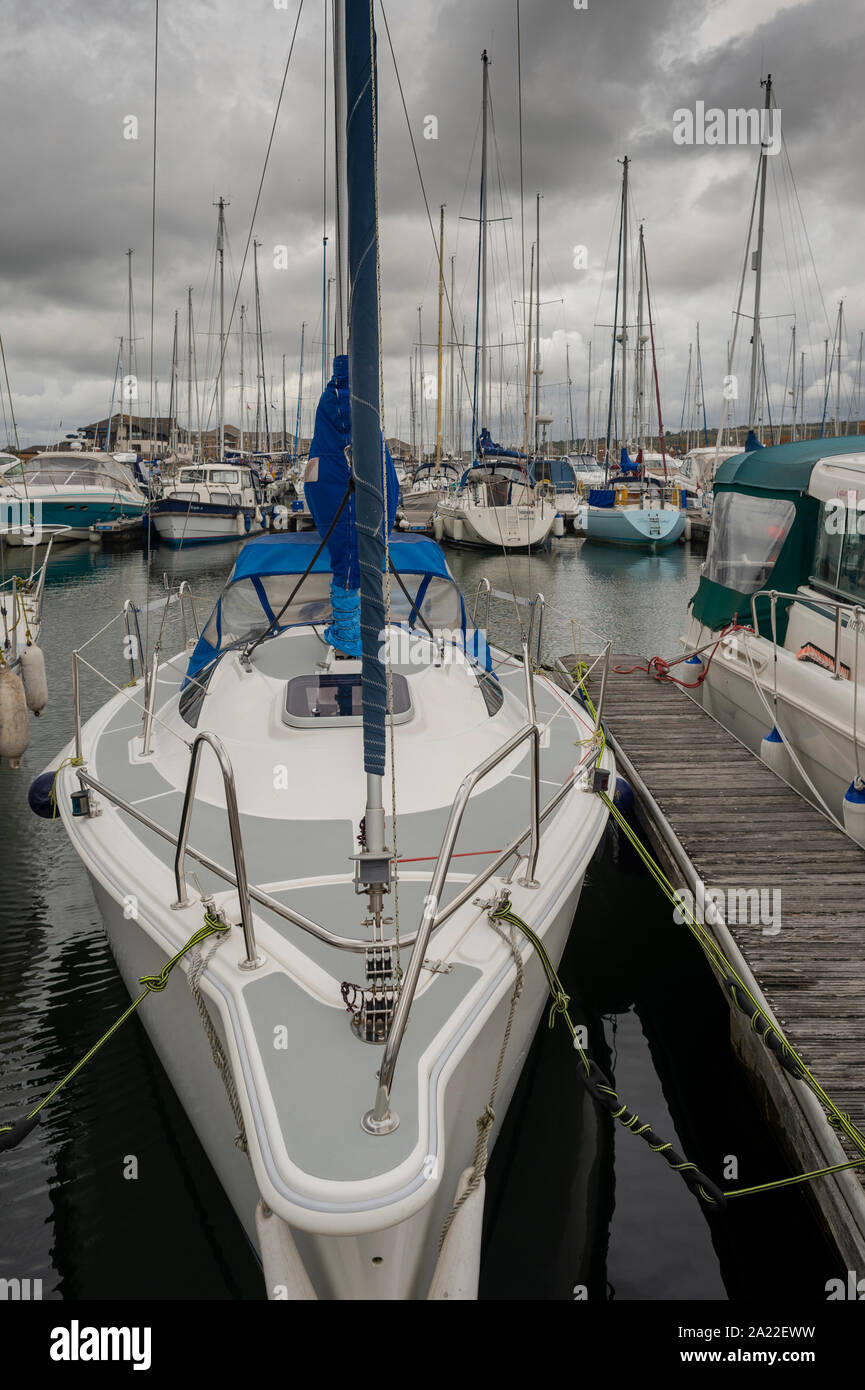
<point x="224" y="475"/>
<point x="839" y="556"/>
<point x="193" y="475"/>
<point x="746" y="539"/>
<point x="324" y="698"/>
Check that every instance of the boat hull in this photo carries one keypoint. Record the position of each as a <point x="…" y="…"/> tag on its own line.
<point x="394" y="1261"/>
<point x="179" y="523"/>
<point x="498" y="528"/>
<point x="636" y="528"/>
<point x="814" y="712"/>
<point x="70" y="516"/>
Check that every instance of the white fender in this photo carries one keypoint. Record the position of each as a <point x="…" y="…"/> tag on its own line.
<point x="284" y="1274"/>
<point x="14" y="724"/>
<point x="458" y="1270"/>
<point x="34" y="679"/>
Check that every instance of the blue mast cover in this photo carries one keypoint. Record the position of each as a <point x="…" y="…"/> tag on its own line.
<point x="368" y="457"/>
<point x="327" y="477"/>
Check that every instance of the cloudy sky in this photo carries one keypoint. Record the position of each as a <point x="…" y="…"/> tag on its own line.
<point x="598" y="83"/>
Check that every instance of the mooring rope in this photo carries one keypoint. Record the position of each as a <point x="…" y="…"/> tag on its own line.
<point x="486" y="1120"/>
<point x="12" y="1135"/>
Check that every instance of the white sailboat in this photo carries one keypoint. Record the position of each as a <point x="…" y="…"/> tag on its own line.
<point x="621" y="512"/>
<point x="352" y="824"/>
<point x="496" y="506"/>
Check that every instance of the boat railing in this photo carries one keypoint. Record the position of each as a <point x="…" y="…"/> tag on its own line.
<point x="205" y="740"/>
<point x="248" y="892"/>
<point x="381" y="1119"/>
<point x="855" y="624"/>
<point x="837" y="608"/>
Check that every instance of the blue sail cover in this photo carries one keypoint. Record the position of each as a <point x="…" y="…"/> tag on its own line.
<point x="627" y="464"/>
<point x="752" y="442"/>
<point x="326" y="480"/>
<point x="488" y="449"/>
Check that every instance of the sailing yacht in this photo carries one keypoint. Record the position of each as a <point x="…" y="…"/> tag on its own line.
<point x="355" y="779"/>
<point x="496" y="506"/>
<point x="426" y="488"/>
<point x="624" y="514"/>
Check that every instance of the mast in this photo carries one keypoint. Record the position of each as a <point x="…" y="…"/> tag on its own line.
<point x="242" y="383"/>
<point x="341" y="310"/>
<point x="129" y="353"/>
<point x="421" y="382"/>
<point x="220" y="254"/>
<point x="688" y="402"/>
<point x="654" y="359"/>
<point x="441" y="301"/>
<point x="537" y="318"/>
<point x="529" y="354"/>
<point x="638" y="400"/>
<point x="172" y="403"/>
<point x="838" y="370"/>
<point x="118" y="368"/>
<point x="284" y="422"/>
<point x="702" y="390"/>
<point x="484" y="374"/>
<point x="299" y="393"/>
<point x="758" y="267"/>
<point x="794" y="374"/>
<point x="802" y="395"/>
<point x="501" y="385"/>
<point x="858" y="389"/>
<point x="624" y="416"/>
<point x="367" y="451"/>
<point x="260" y="351"/>
<point x="189" y="366"/>
<point x="589" y="434"/>
<point x="451" y="354"/>
<point x="570" y="400"/>
<point x="323" y="313"/>
<point x="613" y="347"/>
<point x="411" y="407"/>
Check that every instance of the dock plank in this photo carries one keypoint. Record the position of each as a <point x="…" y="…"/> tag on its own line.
<point x="742" y="827"/>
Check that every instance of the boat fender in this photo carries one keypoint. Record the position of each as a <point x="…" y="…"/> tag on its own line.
<point x="438" y="528"/>
<point x="10" y="1138"/>
<point x="39" y="796"/>
<point x="457" y="1271"/>
<point x="853" y="807"/>
<point x="14" y="724"/>
<point x="559" y="526"/>
<point x="774" y="753"/>
<point x="34" y="679"/>
<point x="623" y="796"/>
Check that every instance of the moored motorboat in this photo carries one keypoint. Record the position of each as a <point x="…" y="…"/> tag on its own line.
<point x="67" y="492"/>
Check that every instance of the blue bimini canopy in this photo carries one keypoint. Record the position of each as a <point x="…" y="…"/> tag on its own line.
<point x="266" y="573"/>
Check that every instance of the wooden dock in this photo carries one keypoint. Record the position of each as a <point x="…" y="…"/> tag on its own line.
<point x="713" y="812"/>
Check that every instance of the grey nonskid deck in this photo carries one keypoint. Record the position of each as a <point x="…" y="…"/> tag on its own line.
<point x="285" y="857"/>
<point x="278" y="850"/>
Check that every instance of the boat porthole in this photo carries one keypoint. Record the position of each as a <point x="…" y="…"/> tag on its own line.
<point x="377" y="1259"/>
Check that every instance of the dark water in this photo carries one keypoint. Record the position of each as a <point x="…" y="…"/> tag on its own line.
<point x="570" y="1201"/>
